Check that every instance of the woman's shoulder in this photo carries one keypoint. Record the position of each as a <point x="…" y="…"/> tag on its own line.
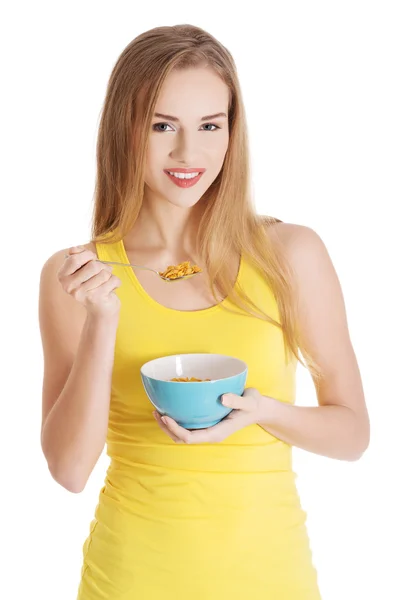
<point x="57" y="258"/>
<point x="300" y="244"/>
<point x="296" y="243"/>
<point x="90" y="246"/>
<point x="281" y="231"/>
<point x="54" y="262"/>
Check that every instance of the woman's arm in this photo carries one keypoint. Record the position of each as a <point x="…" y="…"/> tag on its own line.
<point x="78" y="348"/>
<point x="330" y="430"/>
<point x="339" y="426"/>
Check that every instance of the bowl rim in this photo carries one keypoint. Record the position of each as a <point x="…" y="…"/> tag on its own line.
<point x="245" y="367"/>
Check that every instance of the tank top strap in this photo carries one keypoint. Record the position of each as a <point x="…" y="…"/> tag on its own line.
<point x="110" y="251"/>
<point x="114" y="252"/>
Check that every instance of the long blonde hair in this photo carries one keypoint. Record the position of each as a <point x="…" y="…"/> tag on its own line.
<point x="229" y="224"/>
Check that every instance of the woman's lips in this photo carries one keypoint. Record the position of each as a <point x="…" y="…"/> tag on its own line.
<point x="184" y="183"/>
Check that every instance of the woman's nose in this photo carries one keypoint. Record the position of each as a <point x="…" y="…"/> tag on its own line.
<point x="185" y="148"/>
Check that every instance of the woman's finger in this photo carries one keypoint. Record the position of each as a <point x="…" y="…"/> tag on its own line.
<point x="165" y="428"/>
<point x="180" y="432"/>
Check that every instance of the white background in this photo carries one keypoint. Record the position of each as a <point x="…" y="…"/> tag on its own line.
<point x="321" y="88"/>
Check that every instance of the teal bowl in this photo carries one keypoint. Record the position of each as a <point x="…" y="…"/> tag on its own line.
<point x="193" y="405"/>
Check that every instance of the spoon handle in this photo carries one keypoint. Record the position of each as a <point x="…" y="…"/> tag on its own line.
<point x="110" y="262"/>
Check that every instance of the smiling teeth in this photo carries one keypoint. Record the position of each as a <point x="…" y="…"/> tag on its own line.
<point x="183" y="175"/>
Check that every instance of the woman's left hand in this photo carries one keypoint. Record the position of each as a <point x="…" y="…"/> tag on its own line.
<point x="248" y="409"/>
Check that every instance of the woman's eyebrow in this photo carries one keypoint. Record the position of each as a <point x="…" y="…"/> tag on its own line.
<point x="206" y="118"/>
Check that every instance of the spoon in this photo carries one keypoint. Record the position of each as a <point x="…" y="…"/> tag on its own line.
<point x="108" y="262"/>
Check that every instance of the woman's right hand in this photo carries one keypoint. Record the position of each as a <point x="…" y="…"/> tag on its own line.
<point x="90" y="282"/>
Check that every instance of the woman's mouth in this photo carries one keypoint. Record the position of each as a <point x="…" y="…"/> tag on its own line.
<point x="184" y="180"/>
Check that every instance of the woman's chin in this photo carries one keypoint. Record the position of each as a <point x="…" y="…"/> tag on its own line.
<point x="183" y="203"/>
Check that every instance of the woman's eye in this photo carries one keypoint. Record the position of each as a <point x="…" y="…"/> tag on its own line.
<point x="157" y="125"/>
<point x="212" y="125"/>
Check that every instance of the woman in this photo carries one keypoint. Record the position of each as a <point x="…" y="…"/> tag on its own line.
<point x="209" y="514"/>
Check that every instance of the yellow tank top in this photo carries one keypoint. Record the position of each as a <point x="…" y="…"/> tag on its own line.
<point x="216" y="521"/>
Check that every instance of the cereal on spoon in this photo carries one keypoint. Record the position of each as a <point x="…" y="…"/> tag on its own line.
<point x="175" y="271"/>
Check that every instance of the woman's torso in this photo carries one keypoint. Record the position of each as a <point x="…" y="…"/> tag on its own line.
<point x="169" y="512"/>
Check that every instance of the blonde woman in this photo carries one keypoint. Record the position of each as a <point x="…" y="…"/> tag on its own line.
<point x="208" y="514"/>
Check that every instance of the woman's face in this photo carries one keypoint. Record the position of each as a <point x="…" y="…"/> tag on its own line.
<point x="189" y="142"/>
